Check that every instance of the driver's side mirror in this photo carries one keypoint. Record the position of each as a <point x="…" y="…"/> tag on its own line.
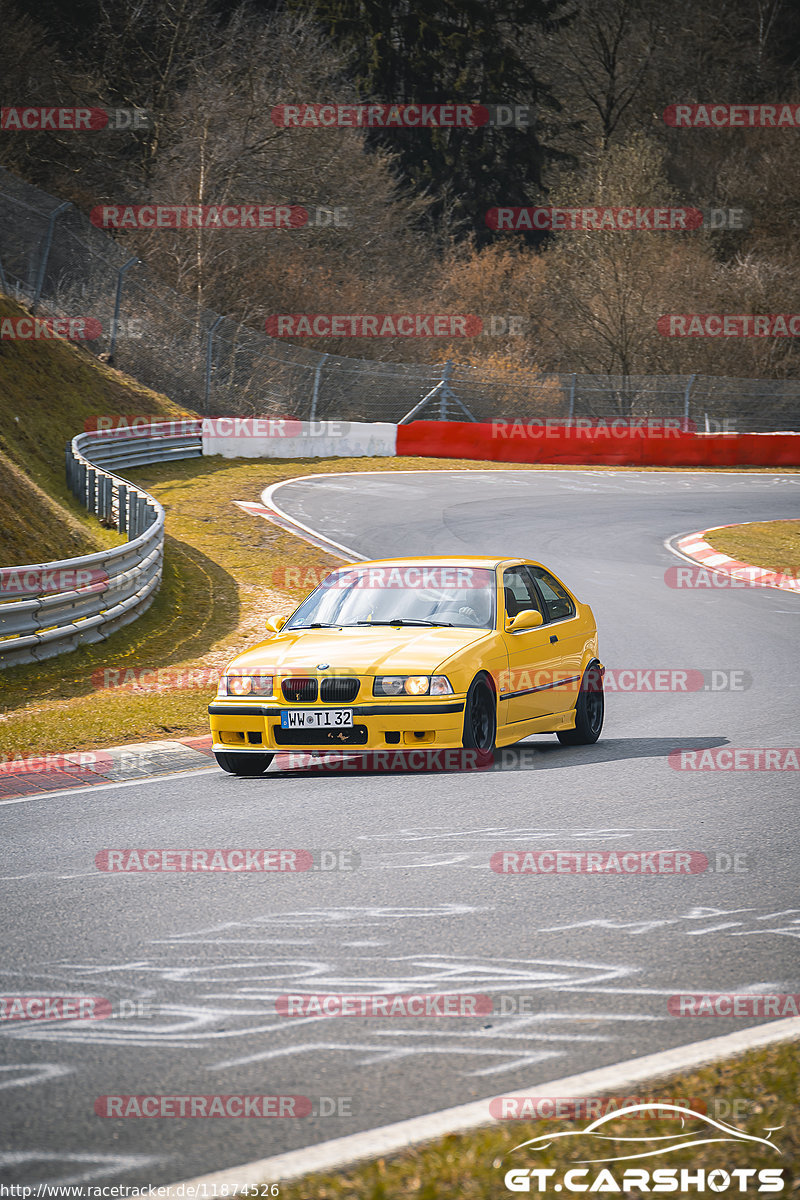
<point x="529" y="618"/>
<point x="275" y="624"/>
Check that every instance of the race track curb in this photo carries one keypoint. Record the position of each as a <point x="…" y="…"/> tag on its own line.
<point x="42" y="774"/>
<point x="403" y="1135"/>
<point x="695" y="547"/>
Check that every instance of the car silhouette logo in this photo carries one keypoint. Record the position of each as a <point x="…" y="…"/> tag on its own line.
<point x="676" y="1141"/>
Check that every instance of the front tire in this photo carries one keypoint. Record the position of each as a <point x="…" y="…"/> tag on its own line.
<point x="480" y="717"/>
<point x="244" y="764"/>
<point x="589" y="711"/>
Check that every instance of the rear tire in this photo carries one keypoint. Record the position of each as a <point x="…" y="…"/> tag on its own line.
<point x="589" y="711"/>
<point x="244" y="764"/>
<point x="480" y="717"/>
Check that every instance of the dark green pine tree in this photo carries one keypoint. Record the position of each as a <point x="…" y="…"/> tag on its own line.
<point x="450" y="51"/>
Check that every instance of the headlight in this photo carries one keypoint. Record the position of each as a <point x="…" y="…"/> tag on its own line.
<point x="245" y="685"/>
<point x="411" y="685"/>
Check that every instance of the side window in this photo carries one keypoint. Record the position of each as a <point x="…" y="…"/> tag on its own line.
<point x="519" y="592"/>
<point x="556" y="598"/>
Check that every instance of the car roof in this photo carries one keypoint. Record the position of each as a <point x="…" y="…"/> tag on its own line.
<point x="441" y="560"/>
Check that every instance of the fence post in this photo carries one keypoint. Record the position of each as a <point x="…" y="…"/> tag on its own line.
<point x="48" y="238"/>
<point x="315" y="393"/>
<point x="122" y="508"/>
<point x="572" y="397"/>
<point x="117" y="301"/>
<point x="686" y="403"/>
<point x="445" y="389"/>
<point x="209" y="353"/>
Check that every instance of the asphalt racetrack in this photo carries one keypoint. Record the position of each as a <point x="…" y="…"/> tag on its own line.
<point x="591" y="961"/>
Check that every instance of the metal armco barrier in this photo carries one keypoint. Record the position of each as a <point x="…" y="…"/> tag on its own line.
<point x="50" y="608"/>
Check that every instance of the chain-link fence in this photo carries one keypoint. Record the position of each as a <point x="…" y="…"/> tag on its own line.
<point x="53" y="258"/>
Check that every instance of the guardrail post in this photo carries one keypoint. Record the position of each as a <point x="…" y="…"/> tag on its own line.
<point x="82" y="483"/>
<point x="48" y="238"/>
<point x="91" y="484"/>
<point x="315" y="393"/>
<point x="117" y="301"/>
<point x="68" y="465"/>
<point x="122" y="508"/>
<point x="209" y="355"/>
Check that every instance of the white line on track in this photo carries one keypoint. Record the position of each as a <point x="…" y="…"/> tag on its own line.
<point x="86" y="788"/>
<point x="392" y="1139"/>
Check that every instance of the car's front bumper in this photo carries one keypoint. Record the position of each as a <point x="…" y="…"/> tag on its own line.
<point x="254" y="726"/>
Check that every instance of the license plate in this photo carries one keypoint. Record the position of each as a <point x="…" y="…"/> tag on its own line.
<point x="317" y="718"/>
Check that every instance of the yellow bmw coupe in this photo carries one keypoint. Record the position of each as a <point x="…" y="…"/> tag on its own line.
<point x="430" y="653"/>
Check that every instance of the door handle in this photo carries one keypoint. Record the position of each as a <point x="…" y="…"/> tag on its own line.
<point x="553" y="637"/>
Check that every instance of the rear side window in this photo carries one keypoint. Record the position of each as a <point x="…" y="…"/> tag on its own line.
<point x="557" y="601"/>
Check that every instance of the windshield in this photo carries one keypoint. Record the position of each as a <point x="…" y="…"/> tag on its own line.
<point x="463" y="597"/>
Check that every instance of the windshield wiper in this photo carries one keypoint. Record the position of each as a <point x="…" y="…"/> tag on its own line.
<point x="407" y="621"/>
<point x="318" y="625"/>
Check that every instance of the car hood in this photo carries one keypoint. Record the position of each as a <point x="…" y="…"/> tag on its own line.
<point x="379" y="650"/>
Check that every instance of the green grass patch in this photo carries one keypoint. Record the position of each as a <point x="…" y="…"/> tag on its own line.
<point x="48" y="389"/>
<point x="764" y="1083"/>
<point x="774" y="545"/>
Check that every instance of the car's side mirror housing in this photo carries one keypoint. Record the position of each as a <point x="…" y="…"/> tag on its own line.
<point x="275" y="624"/>
<point x="529" y="618"/>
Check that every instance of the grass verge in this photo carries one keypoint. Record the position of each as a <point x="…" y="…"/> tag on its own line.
<point x="48" y="390"/>
<point x="760" y="1088"/>
<point x="774" y="545"/>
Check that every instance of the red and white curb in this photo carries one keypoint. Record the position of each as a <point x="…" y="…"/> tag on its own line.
<point x="695" y="547"/>
<point x="270" y="512"/>
<point x="404" y="1135"/>
<point x="31" y="778"/>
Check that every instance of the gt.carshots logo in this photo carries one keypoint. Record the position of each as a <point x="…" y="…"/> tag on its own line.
<point x="691" y="1128"/>
<point x="358" y="325"/>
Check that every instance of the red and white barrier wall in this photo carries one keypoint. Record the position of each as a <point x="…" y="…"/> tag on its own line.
<point x="648" y="445"/>
<point x="503" y="441"/>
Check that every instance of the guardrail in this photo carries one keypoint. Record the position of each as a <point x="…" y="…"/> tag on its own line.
<point x="51" y="608"/>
